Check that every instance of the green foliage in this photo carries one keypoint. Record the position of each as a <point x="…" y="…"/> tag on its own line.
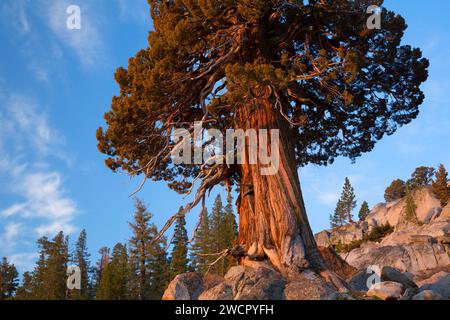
<point x="25" y="290"/>
<point x="202" y="247"/>
<point x="375" y="235"/>
<point x="410" y="215"/>
<point x="395" y="191"/>
<point x="140" y="250"/>
<point x="338" y="217"/>
<point x="114" y="282"/>
<point x="49" y="276"/>
<point x="179" y="260"/>
<point x="81" y="259"/>
<point x="364" y="211"/>
<point x="8" y="280"/>
<point x="215" y="234"/>
<point x="441" y="186"/>
<point x="346" y="204"/>
<point x="147" y="259"/>
<point x="421" y="177"/>
<point x="223" y="234"/>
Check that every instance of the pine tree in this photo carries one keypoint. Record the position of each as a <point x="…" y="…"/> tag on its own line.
<point x="141" y="250"/>
<point x="395" y="191"/>
<point x="8" y="279"/>
<point x="337" y="219"/>
<point x="229" y="233"/>
<point x="441" y="186"/>
<point x="25" y="290"/>
<point x="410" y="214"/>
<point x="421" y="177"/>
<point x="49" y="276"/>
<point x="159" y="270"/>
<point x="99" y="269"/>
<point x="179" y="259"/>
<point x="310" y="69"/>
<point x="348" y="202"/>
<point x="81" y="259"/>
<point x="217" y="234"/>
<point x="114" y="282"/>
<point x="201" y="246"/>
<point x="364" y="211"/>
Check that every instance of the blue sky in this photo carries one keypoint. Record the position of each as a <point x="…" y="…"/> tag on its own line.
<point x="56" y="84"/>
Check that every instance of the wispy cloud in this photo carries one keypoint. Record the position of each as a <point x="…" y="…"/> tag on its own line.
<point x="41" y="205"/>
<point x="86" y="42"/>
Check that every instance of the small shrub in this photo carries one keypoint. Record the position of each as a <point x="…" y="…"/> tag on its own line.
<point x="377" y="234"/>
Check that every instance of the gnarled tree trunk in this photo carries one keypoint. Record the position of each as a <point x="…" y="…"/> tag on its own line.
<point x="272" y="218"/>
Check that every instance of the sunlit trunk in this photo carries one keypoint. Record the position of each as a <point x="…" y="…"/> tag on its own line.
<point x="273" y="224"/>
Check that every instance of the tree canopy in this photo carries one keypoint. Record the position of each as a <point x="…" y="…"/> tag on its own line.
<point x="341" y="86"/>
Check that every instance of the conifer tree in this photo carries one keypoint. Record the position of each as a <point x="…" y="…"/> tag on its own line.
<point x="217" y="237"/>
<point x="441" y="186"/>
<point x="114" y="282"/>
<point x="229" y="232"/>
<point x="81" y="259"/>
<point x="25" y="290"/>
<point x="347" y="201"/>
<point x="395" y="191"/>
<point x="338" y="217"/>
<point x="49" y="277"/>
<point x="179" y="259"/>
<point x="421" y="177"/>
<point x="140" y="248"/>
<point x="310" y="69"/>
<point x="159" y="270"/>
<point x="410" y="214"/>
<point x="364" y="211"/>
<point x="8" y="279"/>
<point x="99" y="269"/>
<point x="201" y="246"/>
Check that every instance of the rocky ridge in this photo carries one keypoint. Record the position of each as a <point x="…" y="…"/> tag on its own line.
<point x="411" y="263"/>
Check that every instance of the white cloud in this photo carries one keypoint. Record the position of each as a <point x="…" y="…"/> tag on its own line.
<point x="23" y="261"/>
<point x="86" y="42"/>
<point x="55" y="227"/>
<point x="13" y="210"/>
<point x="11" y="231"/>
<point x="27" y="143"/>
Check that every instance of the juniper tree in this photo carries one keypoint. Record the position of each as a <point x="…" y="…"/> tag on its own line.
<point x="441" y="186"/>
<point x="8" y="279"/>
<point x="395" y="191"/>
<point x="179" y="259"/>
<point x="311" y="69"/>
<point x="421" y="177"/>
<point x="364" y="211"/>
